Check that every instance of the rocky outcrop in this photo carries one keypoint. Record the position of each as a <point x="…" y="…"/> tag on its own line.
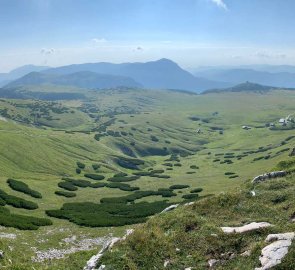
<point x="94" y="260"/>
<point x="273" y="254"/>
<point x="292" y="154"/>
<point x="266" y="176"/>
<point x="92" y="263"/>
<point x="170" y="208"/>
<point x="1" y="254"/>
<point x="246" y="228"/>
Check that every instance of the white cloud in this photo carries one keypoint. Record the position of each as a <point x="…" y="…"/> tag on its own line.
<point x="220" y="3"/>
<point x="99" y="40"/>
<point x="47" y="51"/>
<point x="268" y="55"/>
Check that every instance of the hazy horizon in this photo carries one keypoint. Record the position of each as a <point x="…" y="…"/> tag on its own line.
<point x="192" y="33"/>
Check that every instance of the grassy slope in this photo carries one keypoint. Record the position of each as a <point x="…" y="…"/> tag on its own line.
<point x="40" y="157"/>
<point x="195" y="231"/>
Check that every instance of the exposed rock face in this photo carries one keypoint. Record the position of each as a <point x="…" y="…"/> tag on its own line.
<point x="94" y="260"/>
<point x="74" y="246"/>
<point x="246" y="228"/>
<point x="266" y="176"/>
<point x="273" y="254"/>
<point x="213" y="262"/>
<point x="170" y="208"/>
<point x="1" y="254"/>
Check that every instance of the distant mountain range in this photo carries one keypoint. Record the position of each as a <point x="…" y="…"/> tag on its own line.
<point x="5" y="78"/>
<point x="82" y="79"/>
<point x="161" y="74"/>
<point x="238" y="75"/>
<point x="246" y="87"/>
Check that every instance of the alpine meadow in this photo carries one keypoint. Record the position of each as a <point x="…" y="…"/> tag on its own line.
<point x="144" y="135"/>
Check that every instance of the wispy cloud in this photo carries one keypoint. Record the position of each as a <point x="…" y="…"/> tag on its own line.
<point x="220" y="3"/>
<point x="99" y="40"/>
<point x="267" y="55"/>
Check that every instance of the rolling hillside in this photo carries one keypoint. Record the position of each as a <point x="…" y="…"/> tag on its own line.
<point x="100" y="165"/>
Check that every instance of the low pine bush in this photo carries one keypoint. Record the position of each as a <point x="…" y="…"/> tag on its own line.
<point x="24" y="188"/>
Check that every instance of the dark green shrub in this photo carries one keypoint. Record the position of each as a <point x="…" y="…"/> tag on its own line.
<point x="97" y="185"/>
<point x="157" y="171"/>
<point x="168" y="164"/>
<point x="24" y="188"/>
<point x="21" y="222"/>
<point x="192" y="196"/>
<point x="154" y="138"/>
<point x="65" y="194"/>
<point x="121" y="186"/>
<point x="142" y="173"/>
<point x="160" y="176"/>
<point x="229" y="173"/>
<point x="81" y="165"/>
<point x="233" y="176"/>
<point x="178" y="186"/>
<point x="196" y="190"/>
<point x="120" y="174"/>
<point x="67" y="186"/>
<point x="129" y="163"/>
<point x="94" y="176"/>
<point x="177" y="164"/>
<point x="111" y="214"/>
<point x="17" y="202"/>
<point x="124" y="178"/>
<point x="78" y="170"/>
<point x="194" y="167"/>
<point x="95" y="166"/>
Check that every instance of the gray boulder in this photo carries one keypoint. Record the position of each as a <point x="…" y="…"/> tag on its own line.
<point x="273" y="254"/>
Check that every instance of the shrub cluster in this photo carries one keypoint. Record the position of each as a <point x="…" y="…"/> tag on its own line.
<point x="16" y="201"/>
<point x="81" y="165"/>
<point x="65" y="194"/>
<point x="138" y="195"/>
<point x="196" y="190"/>
<point x="24" y="188"/>
<point x="94" y="176"/>
<point x="178" y="186"/>
<point x="129" y="163"/>
<point x="111" y="214"/>
<point x="118" y="178"/>
<point x="192" y="196"/>
<point x="67" y="186"/>
<point x="21" y="222"/>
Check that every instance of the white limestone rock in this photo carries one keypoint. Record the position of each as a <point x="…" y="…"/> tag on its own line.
<point x="246" y="228"/>
<point x="273" y="254"/>
<point x="170" y="208"/>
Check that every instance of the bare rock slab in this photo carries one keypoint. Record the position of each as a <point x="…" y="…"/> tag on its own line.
<point x="273" y="254"/>
<point x="246" y="228"/>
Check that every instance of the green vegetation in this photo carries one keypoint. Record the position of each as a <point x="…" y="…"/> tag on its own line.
<point x="178" y="186"/>
<point x="23" y="187"/>
<point x="21" y="222"/>
<point x="16" y="201"/>
<point x="46" y="152"/>
<point x="195" y="230"/>
<point x="111" y="214"/>
<point x="94" y="176"/>
<point x="65" y="194"/>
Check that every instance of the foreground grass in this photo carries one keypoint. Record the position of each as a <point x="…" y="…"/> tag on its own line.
<point x="191" y="235"/>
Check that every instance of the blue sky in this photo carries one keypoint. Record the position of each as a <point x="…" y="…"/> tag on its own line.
<point x="191" y="32"/>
